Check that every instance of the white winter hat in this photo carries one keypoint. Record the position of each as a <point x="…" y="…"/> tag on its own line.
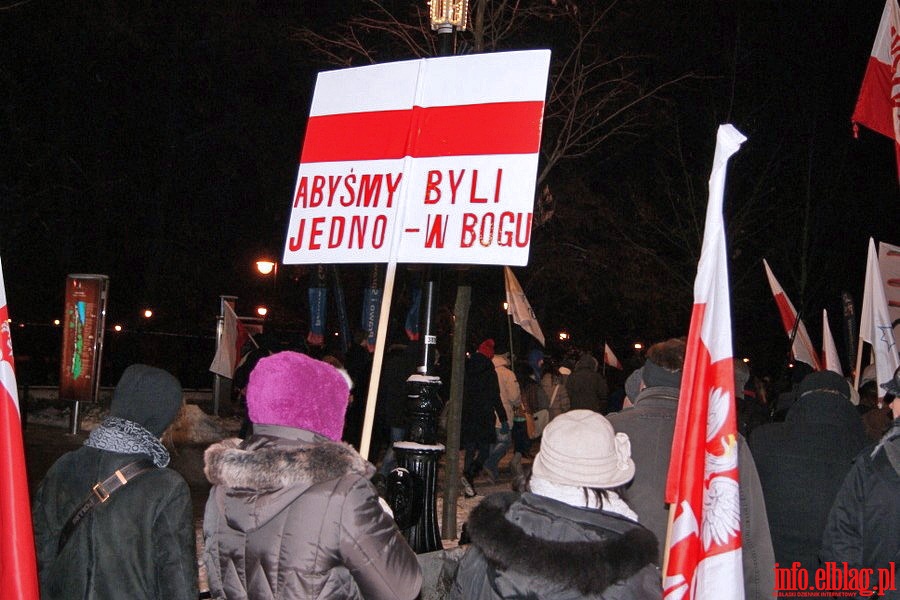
<point x="580" y="448"/>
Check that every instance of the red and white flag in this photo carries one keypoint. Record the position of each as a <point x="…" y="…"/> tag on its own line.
<point x="519" y="308"/>
<point x="889" y="263"/>
<point x="703" y="550"/>
<point x="801" y="348"/>
<point x="610" y="358"/>
<point x="228" y="353"/>
<point x="829" y="350"/>
<point x="18" y="566"/>
<point x="875" y="323"/>
<point x="878" y="105"/>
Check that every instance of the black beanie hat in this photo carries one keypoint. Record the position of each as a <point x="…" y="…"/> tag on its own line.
<point x="147" y="396"/>
<point x="824" y="382"/>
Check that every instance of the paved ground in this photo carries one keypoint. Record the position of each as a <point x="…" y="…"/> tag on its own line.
<point x="46" y="439"/>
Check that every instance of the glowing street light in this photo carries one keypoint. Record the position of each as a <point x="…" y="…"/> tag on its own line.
<point x="262" y="311"/>
<point x="265" y="266"/>
<point x="638" y="346"/>
<point x="563" y="336"/>
<point x="147" y="313"/>
<point x="56" y="322"/>
<point x="117" y="328"/>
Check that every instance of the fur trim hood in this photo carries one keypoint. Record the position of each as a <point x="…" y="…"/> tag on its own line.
<point x="256" y="478"/>
<point x="588" y="566"/>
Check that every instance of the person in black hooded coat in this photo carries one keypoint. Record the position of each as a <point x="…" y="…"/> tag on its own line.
<point x="802" y="462"/>
<point x="481" y="403"/>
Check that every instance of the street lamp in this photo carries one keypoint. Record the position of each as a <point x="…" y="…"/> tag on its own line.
<point x="448" y="16"/>
<point x="147" y="313"/>
<point x="265" y="266"/>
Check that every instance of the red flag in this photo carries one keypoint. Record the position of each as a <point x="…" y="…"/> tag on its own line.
<point x="801" y="348"/>
<point x="228" y="353"/>
<point x="878" y="105"/>
<point x="610" y="358"/>
<point x="703" y="550"/>
<point x="18" y="567"/>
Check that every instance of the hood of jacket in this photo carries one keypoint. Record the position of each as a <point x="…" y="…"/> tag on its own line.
<point x="588" y="566"/>
<point x="257" y="478"/>
<point x="586" y="362"/>
<point x="500" y="360"/>
<point x="824" y="407"/>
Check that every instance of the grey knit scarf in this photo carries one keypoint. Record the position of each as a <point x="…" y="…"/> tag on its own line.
<point x="122" y="436"/>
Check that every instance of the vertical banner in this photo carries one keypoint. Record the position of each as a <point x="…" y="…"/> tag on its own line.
<point x="343" y="321"/>
<point x="318" y="304"/>
<point x="412" y="315"/>
<point x="82" y="344"/>
<point x="371" y="305"/>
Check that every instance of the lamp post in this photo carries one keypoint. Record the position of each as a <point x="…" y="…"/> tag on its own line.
<point x="418" y="454"/>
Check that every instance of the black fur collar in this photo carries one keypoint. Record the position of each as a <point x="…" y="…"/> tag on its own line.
<point x="589" y="567"/>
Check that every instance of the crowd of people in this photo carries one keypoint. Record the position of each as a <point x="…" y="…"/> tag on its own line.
<point x="294" y="513"/>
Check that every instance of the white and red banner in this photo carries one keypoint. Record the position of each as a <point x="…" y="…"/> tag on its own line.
<point x="889" y="263"/>
<point x="425" y="161"/>
<point x="611" y="359"/>
<point x="878" y="105"/>
<point x="519" y="307"/>
<point x="228" y="352"/>
<point x="830" y="358"/>
<point x="875" y="323"/>
<point x="703" y="551"/>
<point x="18" y="566"/>
<point x="801" y="348"/>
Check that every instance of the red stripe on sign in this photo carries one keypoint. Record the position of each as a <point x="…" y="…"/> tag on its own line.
<point x="498" y="128"/>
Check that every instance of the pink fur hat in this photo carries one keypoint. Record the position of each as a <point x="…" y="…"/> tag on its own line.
<point x="294" y="390"/>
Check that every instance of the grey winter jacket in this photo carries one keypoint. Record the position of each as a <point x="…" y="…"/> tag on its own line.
<point x="293" y="515"/>
<point x="138" y="545"/>
<point x="529" y="546"/>
<point x="650" y="425"/>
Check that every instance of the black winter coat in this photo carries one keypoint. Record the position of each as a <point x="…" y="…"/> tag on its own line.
<point x="801" y="464"/>
<point x="481" y="401"/>
<point x="534" y="547"/>
<point x="863" y="526"/>
<point x="139" y="545"/>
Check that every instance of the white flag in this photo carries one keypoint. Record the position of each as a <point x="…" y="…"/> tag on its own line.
<point x="228" y="353"/>
<point x="829" y="350"/>
<point x="875" y="323"/>
<point x="519" y="308"/>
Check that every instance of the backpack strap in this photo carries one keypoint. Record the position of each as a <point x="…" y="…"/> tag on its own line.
<point x="100" y="493"/>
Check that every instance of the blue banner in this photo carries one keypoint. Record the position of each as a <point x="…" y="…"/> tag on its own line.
<point x="412" y="315"/>
<point x="318" y="302"/>
<point x="371" y="308"/>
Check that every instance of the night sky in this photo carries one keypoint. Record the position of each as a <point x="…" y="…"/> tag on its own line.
<point x="157" y="143"/>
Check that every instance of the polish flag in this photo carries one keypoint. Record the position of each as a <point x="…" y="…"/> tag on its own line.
<point x="801" y="348"/>
<point x="889" y="263"/>
<point x="18" y="566"/>
<point x="875" y="323"/>
<point x="228" y="354"/>
<point x="878" y="105"/>
<point x="703" y="549"/>
<point x="829" y="350"/>
<point x="610" y="358"/>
